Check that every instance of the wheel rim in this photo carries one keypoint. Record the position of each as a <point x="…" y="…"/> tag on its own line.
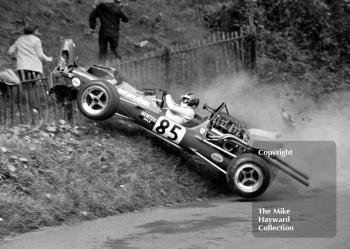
<point x="248" y="177"/>
<point x="94" y="100"/>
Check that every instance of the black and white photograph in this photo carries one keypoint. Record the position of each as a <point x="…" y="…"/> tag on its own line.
<point x="189" y="124"/>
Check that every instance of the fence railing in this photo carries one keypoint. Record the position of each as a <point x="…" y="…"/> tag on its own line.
<point x="193" y="64"/>
<point x="181" y="67"/>
<point x="28" y="103"/>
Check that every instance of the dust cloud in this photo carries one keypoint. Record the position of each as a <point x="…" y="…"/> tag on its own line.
<point x="259" y="106"/>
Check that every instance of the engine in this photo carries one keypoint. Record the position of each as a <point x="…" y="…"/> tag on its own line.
<point x="228" y="124"/>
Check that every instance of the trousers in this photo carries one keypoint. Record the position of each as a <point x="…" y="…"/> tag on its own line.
<point x="103" y="42"/>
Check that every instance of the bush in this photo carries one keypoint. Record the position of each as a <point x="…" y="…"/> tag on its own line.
<point x="319" y="27"/>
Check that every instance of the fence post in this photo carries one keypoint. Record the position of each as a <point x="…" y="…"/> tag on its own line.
<point x="12" y="107"/>
<point x="251" y="41"/>
<point x="241" y="42"/>
<point x="221" y="57"/>
<point x="133" y="70"/>
<point x="165" y="57"/>
<point x="225" y="37"/>
<point x="252" y="37"/>
<point x="183" y="67"/>
<point x="192" y="74"/>
<point x="2" y="104"/>
<point x="142" y="72"/>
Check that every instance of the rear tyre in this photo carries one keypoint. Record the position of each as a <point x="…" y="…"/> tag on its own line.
<point x="98" y="100"/>
<point x="248" y="175"/>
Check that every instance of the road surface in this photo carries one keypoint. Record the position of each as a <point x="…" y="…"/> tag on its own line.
<point x="221" y="223"/>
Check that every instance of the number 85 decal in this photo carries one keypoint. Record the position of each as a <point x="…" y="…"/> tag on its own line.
<point x="169" y="129"/>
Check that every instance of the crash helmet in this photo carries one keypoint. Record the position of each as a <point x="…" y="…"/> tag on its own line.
<point x="190" y="99"/>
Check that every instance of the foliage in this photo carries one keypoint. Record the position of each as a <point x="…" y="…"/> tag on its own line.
<point x="309" y="40"/>
<point x="228" y="18"/>
<point x="319" y="26"/>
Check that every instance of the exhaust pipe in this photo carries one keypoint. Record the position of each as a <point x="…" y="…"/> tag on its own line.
<point x="289" y="170"/>
<point x="278" y="163"/>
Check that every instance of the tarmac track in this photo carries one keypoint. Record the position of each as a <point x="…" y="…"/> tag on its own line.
<point x="220" y="223"/>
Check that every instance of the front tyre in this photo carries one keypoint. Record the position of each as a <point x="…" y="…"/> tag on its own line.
<point x="248" y="175"/>
<point x="97" y="100"/>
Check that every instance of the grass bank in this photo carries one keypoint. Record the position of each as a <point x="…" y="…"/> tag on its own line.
<point x="63" y="174"/>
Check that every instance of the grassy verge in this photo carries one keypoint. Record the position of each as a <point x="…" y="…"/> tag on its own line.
<point x="63" y="174"/>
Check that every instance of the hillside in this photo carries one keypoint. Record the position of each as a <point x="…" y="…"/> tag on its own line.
<point x="63" y="175"/>
<point x="159" y="22"/>
<point x="45" y="179"/>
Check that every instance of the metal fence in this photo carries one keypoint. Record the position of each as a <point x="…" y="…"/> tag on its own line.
<point x="193" y="64"/>
<point x="180" y="67"/>
<point x="29" y="104"/>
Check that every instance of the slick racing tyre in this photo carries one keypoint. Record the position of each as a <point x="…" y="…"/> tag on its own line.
<point x="98" y="100"/>
<point x="248" y="175"/>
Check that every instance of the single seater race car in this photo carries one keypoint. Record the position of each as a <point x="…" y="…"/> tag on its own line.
<point x="219" y="139"/>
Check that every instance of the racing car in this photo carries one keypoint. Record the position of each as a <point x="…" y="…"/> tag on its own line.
<point x="219" y="139"/>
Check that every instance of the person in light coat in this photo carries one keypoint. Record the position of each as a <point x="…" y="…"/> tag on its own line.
<point x="29" y="56"/>
<point x="29" y="53"/>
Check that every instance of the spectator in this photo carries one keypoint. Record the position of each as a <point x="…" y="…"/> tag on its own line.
<point x="109" y="14"/>
<point x="29" y="53"/>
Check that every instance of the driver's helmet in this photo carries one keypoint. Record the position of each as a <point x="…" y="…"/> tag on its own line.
<point x="190" y="100"/>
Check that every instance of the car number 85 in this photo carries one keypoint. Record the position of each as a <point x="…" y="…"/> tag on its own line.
<point x="169" y="129"/>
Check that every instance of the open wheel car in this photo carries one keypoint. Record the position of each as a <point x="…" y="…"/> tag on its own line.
<point x="219" y="139"/>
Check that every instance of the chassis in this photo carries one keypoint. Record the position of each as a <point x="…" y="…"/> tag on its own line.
<point x="219" y="139"/>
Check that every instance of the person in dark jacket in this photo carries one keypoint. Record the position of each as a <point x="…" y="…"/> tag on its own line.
<point x="109" y="14"/>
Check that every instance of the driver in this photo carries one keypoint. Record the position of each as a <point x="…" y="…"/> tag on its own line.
<point x="185" y="111"/>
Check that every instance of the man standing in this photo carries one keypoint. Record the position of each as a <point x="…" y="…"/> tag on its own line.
<point x="110" y="14"/>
